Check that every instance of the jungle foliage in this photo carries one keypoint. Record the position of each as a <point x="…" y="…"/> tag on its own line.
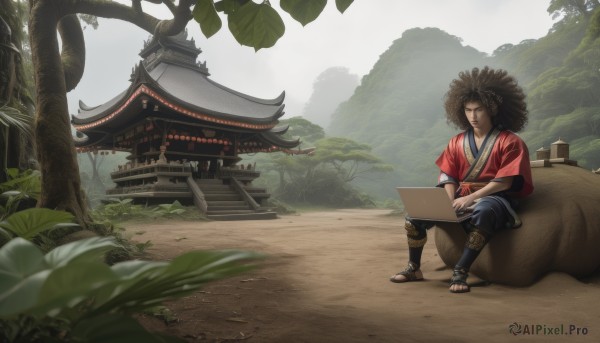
<point x="71" y="295"/>
<point x="398" y="110"/>
<point x="57" y="287"/>
<point x="323" y="177"/>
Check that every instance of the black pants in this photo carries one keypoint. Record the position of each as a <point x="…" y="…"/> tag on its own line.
<point x="489" y="215"/>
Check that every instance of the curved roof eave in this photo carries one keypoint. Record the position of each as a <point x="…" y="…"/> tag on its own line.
<point x="277" y="140"/>
<point x="275" y="101"/>
<point x="171" y="93"/>
<point x="85" y="107"/>
<point x="103" y="139"/>
<point x="87" y="114"/>
<point x="281" y="129"/>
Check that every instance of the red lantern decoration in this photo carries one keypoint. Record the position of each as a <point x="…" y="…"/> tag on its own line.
<point x="170" y="136"/>
<point x="220" y="141"/>
<point x="176" y="137"/>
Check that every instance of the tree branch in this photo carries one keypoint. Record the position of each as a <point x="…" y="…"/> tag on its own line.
<point x="73" y="50"/>
<point x="182" y="14"/>
<point x="111" y="9"/>
<point x="135" y="15"/>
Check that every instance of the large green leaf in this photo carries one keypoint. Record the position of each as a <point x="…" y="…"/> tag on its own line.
<point x="31" y="222"/>
<point x="133" y="269"/>
<point x="208" y="261"/>
<point x="206" y="15"/>
<point x="73" y="285"/>
<point x="22" y="274"/>
<point x="342" y="5"/>
<point x="90" y="249"/>
<point x="256" y="25"/>
<point x="11" y="117"/>
<point x="157" y="282"/>
<point x="27" y="182"/>
<point x="23" y="295"/>
<point x="69" y="285"/>
<point x="304" y="11"/>
<point x="4" y="236"/>
<point x="229" y="6"/>
<point x="19" y="259"/>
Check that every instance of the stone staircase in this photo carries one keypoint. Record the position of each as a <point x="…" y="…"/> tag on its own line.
<point x="225" y="203"/>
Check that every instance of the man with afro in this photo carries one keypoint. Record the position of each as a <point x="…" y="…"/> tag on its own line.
<point x="484" y="168"/>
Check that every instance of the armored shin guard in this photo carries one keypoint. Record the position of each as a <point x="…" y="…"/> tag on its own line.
<point x="416" y="238"/>
<point x="476" y="240"/>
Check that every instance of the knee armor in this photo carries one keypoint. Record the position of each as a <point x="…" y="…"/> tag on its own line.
<point x="416" y="237"/>
<point x="476" y="240"/>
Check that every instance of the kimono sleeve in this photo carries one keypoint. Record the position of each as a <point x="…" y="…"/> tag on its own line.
<point x="449" y="161"/>
<point x="514" y="161"/>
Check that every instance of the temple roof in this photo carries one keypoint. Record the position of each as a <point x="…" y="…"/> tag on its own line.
<point x="170" y="78"/>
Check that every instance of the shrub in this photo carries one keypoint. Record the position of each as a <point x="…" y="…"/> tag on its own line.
<point x="71" y="295"/>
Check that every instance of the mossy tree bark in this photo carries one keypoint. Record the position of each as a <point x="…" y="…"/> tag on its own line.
<point x="58" y="72"/>
<point x="61" y="186"/>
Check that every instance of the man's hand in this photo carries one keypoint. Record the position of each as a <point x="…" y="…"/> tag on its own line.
<point x="461" y="204"/>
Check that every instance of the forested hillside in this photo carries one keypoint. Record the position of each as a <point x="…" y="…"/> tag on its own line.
<point x="565" y="99"/>
<point x="397" y="109"/>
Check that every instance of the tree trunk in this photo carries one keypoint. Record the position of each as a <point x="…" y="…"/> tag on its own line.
<point x="15" y="144"/>
<point x="61" y="186"/>
<point x="57" y="73"/>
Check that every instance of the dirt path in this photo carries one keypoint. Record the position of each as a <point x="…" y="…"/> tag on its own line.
<point x="326" y="280"/>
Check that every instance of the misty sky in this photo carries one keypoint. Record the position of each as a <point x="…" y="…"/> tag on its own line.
<point x="354" y="40"/>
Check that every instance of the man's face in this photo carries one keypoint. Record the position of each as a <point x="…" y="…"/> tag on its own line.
<point x="478" y="115"/>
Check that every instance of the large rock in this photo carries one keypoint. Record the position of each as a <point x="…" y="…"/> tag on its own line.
<point x="560" y="232"/>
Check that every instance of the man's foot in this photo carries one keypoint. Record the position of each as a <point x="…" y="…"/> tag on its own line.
<point x="458" y="282"/>
<point x="411" y="273"/>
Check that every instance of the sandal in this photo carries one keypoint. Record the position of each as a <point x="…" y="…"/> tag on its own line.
<point x="411" y="273"/>
<point x="459" y="277"/>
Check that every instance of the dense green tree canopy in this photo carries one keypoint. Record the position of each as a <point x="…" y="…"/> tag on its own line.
<point x="572" y="8"/>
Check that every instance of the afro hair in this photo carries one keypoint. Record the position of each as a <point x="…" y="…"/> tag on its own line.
<point x="495" y="89"/>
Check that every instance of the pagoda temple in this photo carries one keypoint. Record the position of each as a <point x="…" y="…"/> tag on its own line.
<point x="185" y="134"/>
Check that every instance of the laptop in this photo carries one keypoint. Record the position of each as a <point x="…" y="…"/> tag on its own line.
<point x="431" y="203"/>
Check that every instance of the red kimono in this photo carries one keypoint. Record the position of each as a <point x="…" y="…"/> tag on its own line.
<point x="502" y="154"/>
